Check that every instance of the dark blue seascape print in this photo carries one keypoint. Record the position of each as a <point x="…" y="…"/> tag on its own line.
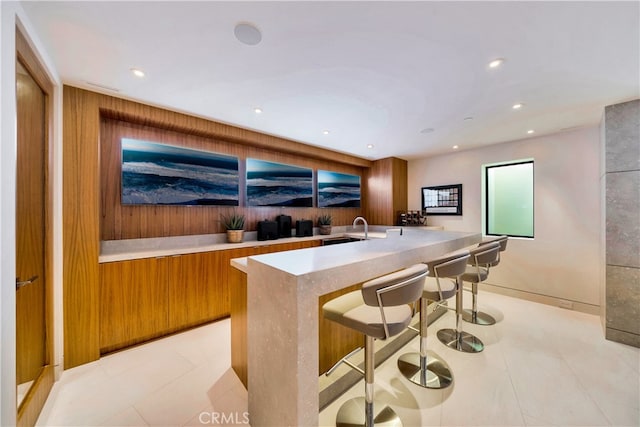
<point x="158" y="174"/>
<point x="276" y="184"/>
<point x="338" y="190"/>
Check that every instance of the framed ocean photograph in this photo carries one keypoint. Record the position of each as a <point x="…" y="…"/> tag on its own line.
<point x="338" y="190"/>
<point x="278" y="184"/>
<point x="159" y="174"/>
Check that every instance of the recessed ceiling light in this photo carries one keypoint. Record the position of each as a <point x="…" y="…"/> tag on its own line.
<point x="530" y="131"/>
<point x="455" y="147"/>
<point x="247" y="33"/>
<point x="325" y="132"/>
<point x="427" y="130"/>
<point x="257" y="110"/>
<point x="137" y="72"/>
<point x="496" y="63"/>
<point x="369" y="146"/>
<point x="517" y="106"/>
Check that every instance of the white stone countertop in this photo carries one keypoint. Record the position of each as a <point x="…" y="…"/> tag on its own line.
<point x="129" y="249"/>
<point x="380" y="244"/>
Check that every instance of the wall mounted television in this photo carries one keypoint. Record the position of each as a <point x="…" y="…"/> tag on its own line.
<point x="160" y="174"/>
<point x="442" y="200"/>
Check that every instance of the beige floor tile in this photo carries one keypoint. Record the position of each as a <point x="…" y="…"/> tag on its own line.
<point x="129" y="418"/>
<point x="542" y="366"/>
<point x="482" y="397"/>
<point x="176" y="402"/>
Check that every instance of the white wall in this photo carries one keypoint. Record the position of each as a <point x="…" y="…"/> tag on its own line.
<point x="563" y="260"/>
<point x="7" y="216"/>
<point x="12" y="14"/>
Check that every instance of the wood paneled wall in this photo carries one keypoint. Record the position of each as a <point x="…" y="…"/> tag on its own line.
<point x="83" y="112"/>
<point x="386" y="186"/>
<point x="128" y="222"/>
<point x="81" y="226"/>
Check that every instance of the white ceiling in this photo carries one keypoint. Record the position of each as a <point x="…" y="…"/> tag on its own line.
<point x="369" y="72"/>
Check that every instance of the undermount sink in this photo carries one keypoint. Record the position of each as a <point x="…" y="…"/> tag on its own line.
<point x="338" y="240"/>
<point x="371" y="235"/>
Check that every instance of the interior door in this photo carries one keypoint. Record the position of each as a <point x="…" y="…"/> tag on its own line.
<point x="30" y="231"/>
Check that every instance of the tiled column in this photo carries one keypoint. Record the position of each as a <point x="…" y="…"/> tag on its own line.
<point x="621" y="198"/>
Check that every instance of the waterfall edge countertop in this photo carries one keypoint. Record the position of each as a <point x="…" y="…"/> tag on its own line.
<point x="282" y="312"/>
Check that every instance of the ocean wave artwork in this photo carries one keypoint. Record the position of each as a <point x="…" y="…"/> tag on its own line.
<point x="338" y="190"/>
<point x="160" y="174"/>
<point x="278" y="184"/>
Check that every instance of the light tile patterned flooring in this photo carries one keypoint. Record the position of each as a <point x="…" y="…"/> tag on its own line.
<point x="542" y="366"/>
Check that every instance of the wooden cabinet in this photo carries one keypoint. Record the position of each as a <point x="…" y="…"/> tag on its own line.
<point x="146" y="298"/>
<point x="335" y="340"/>
<point x="133" y="302"/>
<point x="197" y="293"/>
<point x="239" y="356"/>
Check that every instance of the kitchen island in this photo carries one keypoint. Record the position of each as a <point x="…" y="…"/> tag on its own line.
<point x="282" y="313"/>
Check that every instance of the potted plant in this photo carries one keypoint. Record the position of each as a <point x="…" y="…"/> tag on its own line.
<point x="234" y="223"/>
<point x="324" y="221"/>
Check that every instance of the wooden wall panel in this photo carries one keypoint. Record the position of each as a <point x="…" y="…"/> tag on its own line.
<point x="399" y="186"/>
<point x="132" y="112"/>
<point x="378" y="185"/>
<point x="129" y="222"/>
<point x="82" y="199"/>
<point x="386" y="183"/>
<point x="81" y="225"/>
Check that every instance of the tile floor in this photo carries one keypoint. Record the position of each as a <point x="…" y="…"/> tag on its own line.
<point x="542" y="366"/>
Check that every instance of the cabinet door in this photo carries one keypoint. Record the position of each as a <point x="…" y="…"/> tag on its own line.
<point x="133" y="302"/>
<point x="225" y="264"/>
<point x="196" y="292"/>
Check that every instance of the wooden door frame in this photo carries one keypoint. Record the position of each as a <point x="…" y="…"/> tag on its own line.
<point x="34" y="400"/>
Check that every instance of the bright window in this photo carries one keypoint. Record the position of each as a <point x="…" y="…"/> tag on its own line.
<point x="509" y="199"/>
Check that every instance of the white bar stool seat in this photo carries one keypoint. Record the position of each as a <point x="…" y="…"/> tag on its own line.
<point x="380" y="310"/>
<point x="476" y="275"/>
<point x="458" y="339"/>
<point x="425" y="368"/>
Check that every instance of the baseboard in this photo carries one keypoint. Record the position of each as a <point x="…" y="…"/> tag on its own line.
<point x="542" y="299"/>
<point x="622" y="337"/>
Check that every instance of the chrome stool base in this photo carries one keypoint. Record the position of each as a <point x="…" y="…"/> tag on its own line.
<point x="436" y="373"/>
<point x="352" y="414"/>
<point x="461" y="341"/>
<point x="479" y="318"/>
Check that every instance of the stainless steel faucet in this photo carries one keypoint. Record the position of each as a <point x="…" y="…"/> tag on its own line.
<point x="366" y="226"/>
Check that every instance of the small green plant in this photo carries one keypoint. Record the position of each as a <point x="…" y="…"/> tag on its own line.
<point x="324" y="219"/>
<point x="233" y="221"/>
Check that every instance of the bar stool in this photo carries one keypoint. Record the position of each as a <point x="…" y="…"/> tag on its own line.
<point x="456" y="338"/>
<point x="380" y="310"/>
<point x="475" y="274"/>
<point x="423" y="369"/>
